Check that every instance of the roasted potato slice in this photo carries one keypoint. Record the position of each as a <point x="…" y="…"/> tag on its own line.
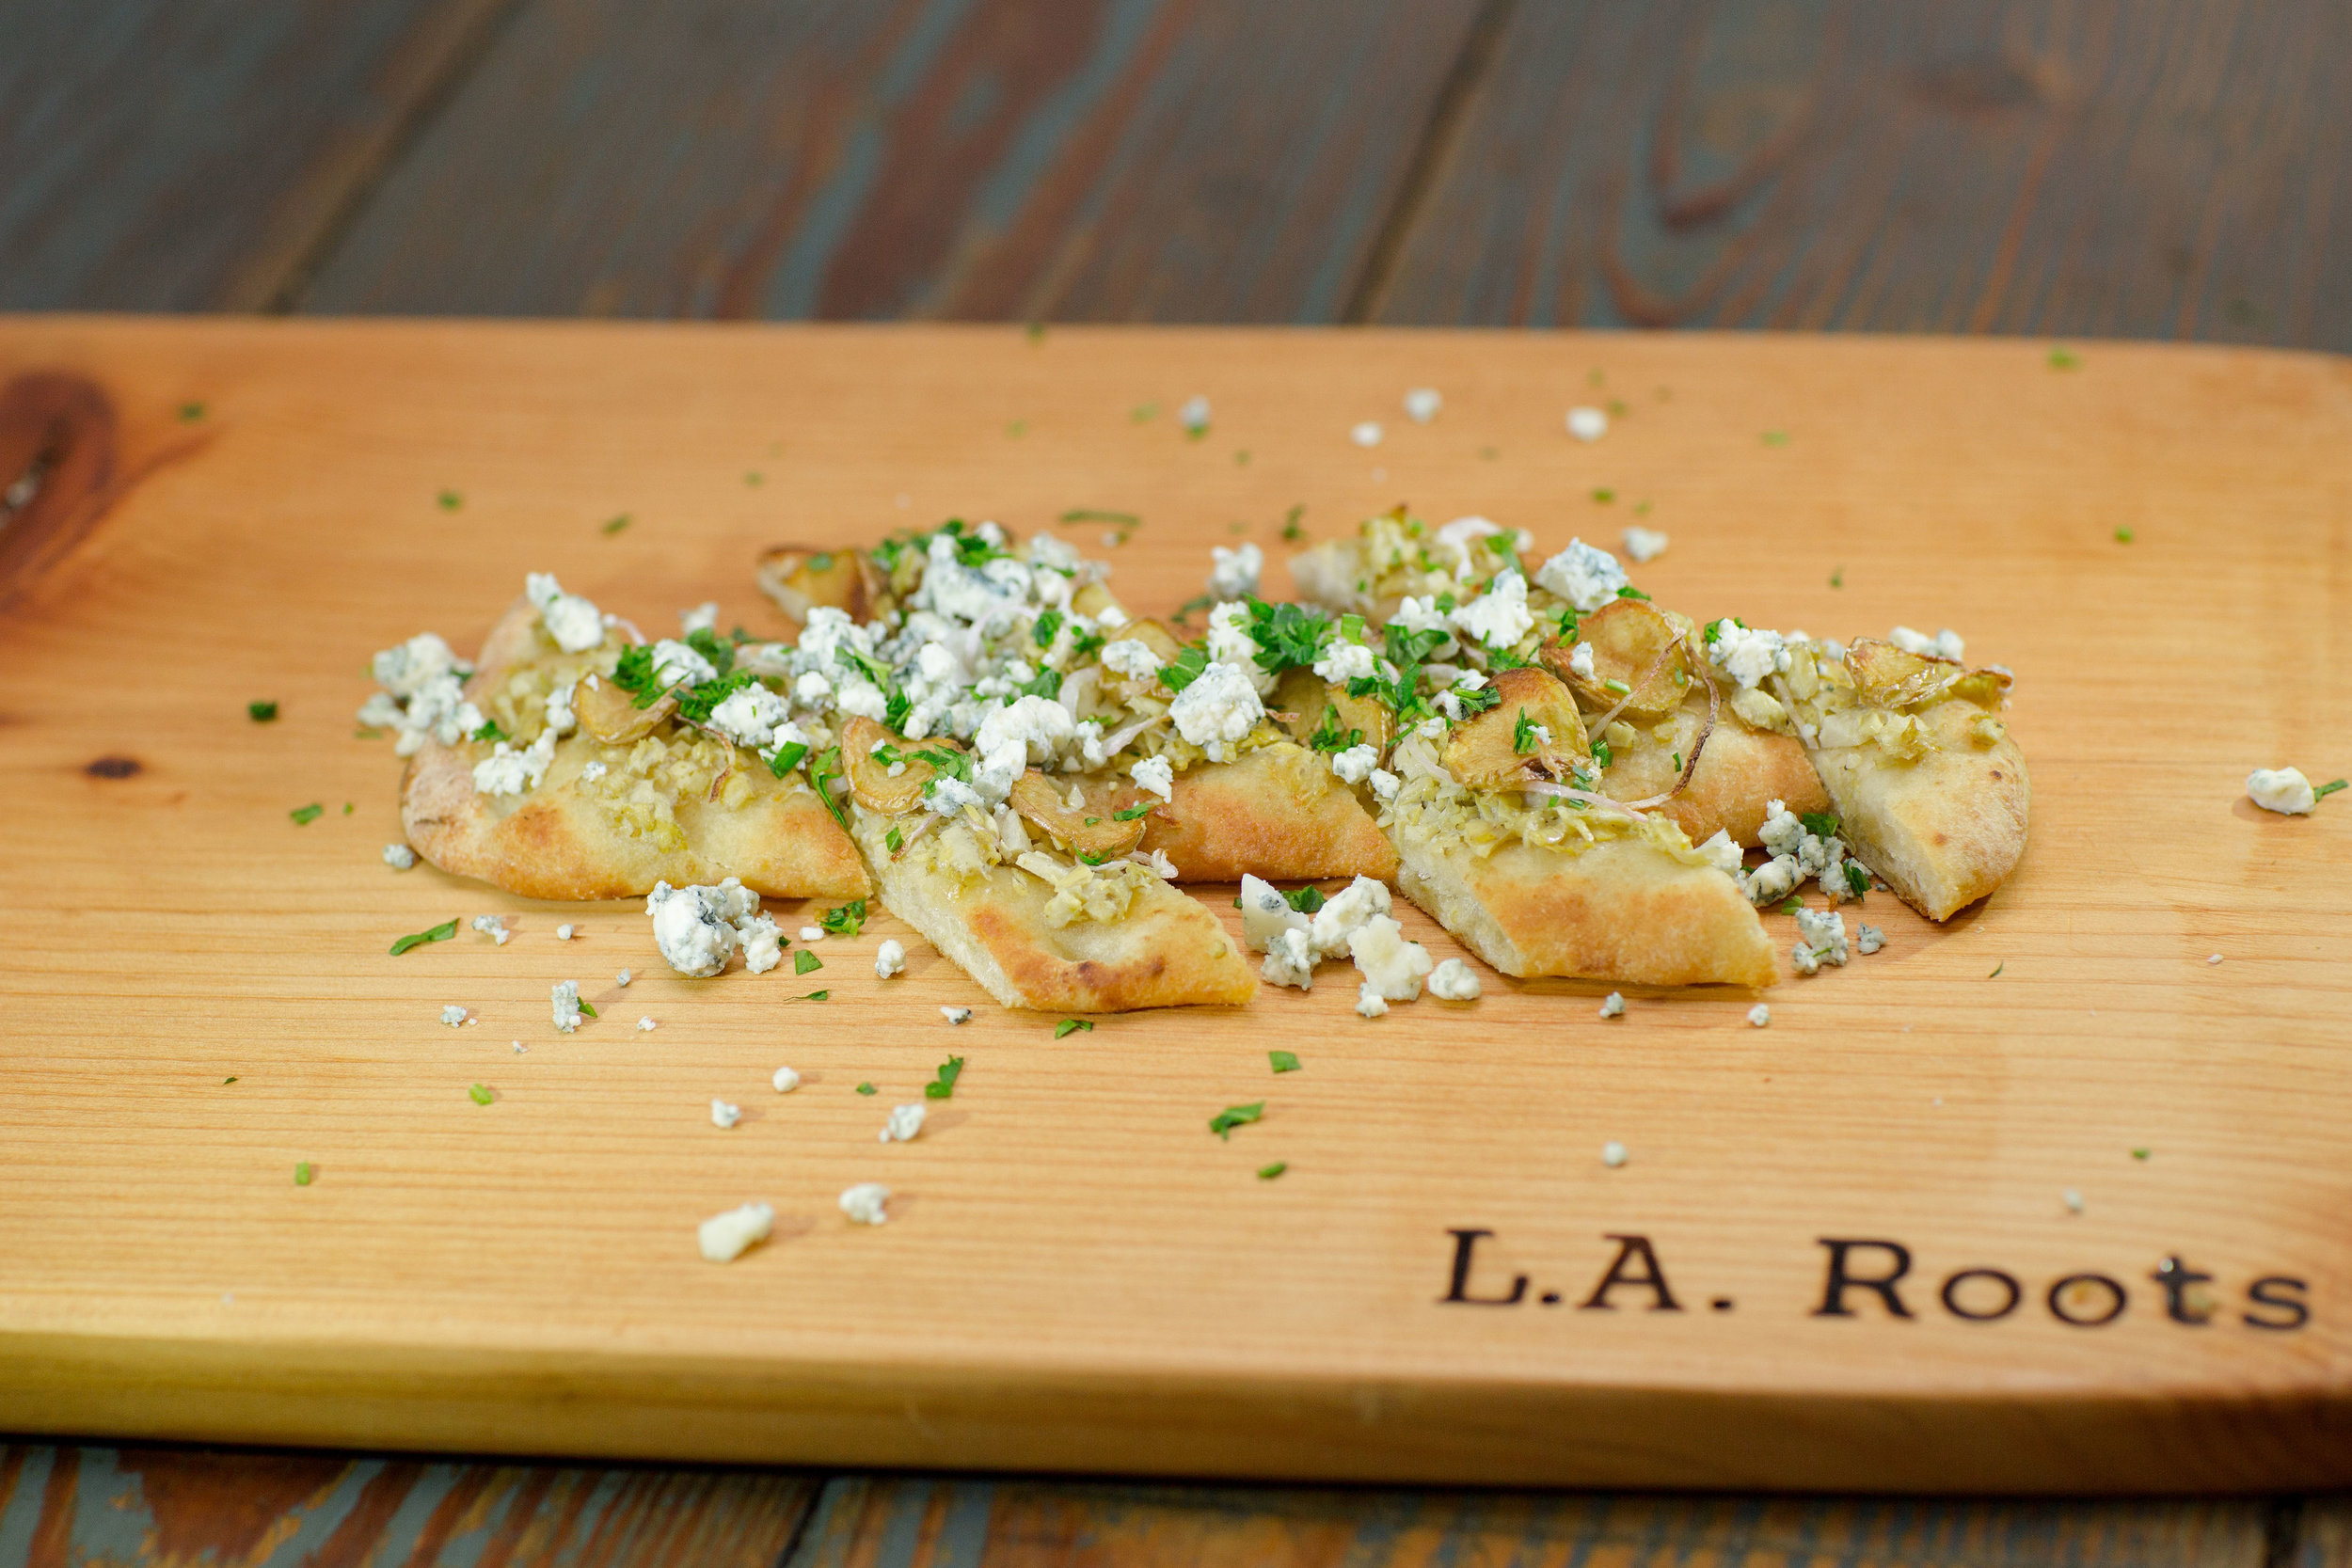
<point x="1630" y="638"/>
<point x="1308" y="698"/>
<point x="870" y="779"/>
<point x="800" y="578"/>
<point x="611" y="714"/>
<point x="1484" y="753"/>
<point x="1887" y="676"/>
<point x="1092" y="599"/>
<point x="1092" y="831"/>
<point x="1164" y="647"/>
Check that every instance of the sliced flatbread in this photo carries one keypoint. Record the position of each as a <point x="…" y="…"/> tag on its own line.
<point x="673" y="806"/>
<point x="1276" y="813"/>
<point x="1930" y="788"/>
<point x="1015" y="933"/>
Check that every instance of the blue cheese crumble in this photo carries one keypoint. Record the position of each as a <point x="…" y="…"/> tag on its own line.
<point x="867" y="1203"/>
<point x="723" y="1238"/>
<point x="564" y="996"/>
<point x="400" y="857"/>
<point x="1454" y="981"/>
<point x="903" y="1123"/>
<point x="890" y="959"/>
<point x="2284" y="791"/>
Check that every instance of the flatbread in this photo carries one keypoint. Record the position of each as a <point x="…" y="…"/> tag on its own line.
<point x="1167" y="951"/>
<point x="1941" y="821"/>
<point x="1278" y="812"/>
<point x="1740" y="774"/>
<point x="577" y="839"/>
<point x="1618" y="909"/>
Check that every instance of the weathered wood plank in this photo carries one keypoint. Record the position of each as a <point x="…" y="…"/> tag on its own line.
<point x="1174" y="160"/>
<point x="174" y="1507"/>
<point x="2122" y="167"/>
<point x="195" y="154"/>
<point x="873" y="1522"/>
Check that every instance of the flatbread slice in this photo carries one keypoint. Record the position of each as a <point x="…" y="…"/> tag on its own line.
<point x="1930" y="788"/>
<point x="672" y="805"/>
<point x="1276" y="813"/>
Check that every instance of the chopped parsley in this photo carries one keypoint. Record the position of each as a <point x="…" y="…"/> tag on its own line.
<point x="1603" y="754"/>
<point x="304" y="816"/>
<point x="261" y="713"/>
<point x="1036" y="332"/>
<point x="490" y="731"/>
<point x="1048" y="624"/>
<point x="821" y="772"/>
<point x="1284" y="1061"/>
<point x="1479" y="701"/>
<point x="812" y="997"/>
<point x="1820" y="824"/>
<point x="2064" y="359"/>
<point x="1047" y="684"/>
<point x="1289" y="636"/>
<point x="479" y="1094"/>
<point x="190" y="412"/>
<point x="1088" y="515"/>
<point x="866" y="1088"/>
<point x="1997" y="970"/>
<point x="2124" y="535"/>
<point x="1616" y="686"/>
<point x="753" y="478"/>
<point x="1141" y="809"/>
<point x="696" y="704"/>
<point x="943" y="1083"/>
<point x="1184" y="668"/>
<point x="1017" y="429"/>
<point x="788" y="757"/>
<point x="1291" y="529"/>
<point x="302" y="1173"/>
<point x="1630" y="592"/>
<point x="231" y="1079"/>
<point x="896" y="709"/>
<point x="1523" y="735"/>
<point x="615" y="524"/>
<point x="1857" y="879"/>
<point x="1793" y="905"/>
<point x="2328" y="788"/>
<point x="1329" y="736"/>
<point x="1267" y="1173"/>
<point x="1837" y="578"/>
<point x="442" y="932"/>
<point x="894" y="840"/>
<point x="1776" y="437"/>
<point x="844" y="920"/>
<point x="588" y="1007"/>
<point x="1072" y="1025"/>
<point x="1604" y="496"/>
<point x="450" y="501"/>
<point x="2141" y="1153"/>
<point x="1306" y="900"/>
<point x="1223" y="1123"/>
<point x="1141" y="413"/>
<point x="805" y="962"/>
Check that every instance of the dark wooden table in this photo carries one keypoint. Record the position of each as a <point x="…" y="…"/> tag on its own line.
<point x="2068" y="168"/>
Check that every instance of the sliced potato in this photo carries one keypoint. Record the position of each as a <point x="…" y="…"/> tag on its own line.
<point x="1308" y="699"/>
<point x="1483" y="754"/>
<point x="1164" y="646"/>
<point x="800" y="579"/>
<point x="1093" y="832"/>
<point x="870" y="780"/>
<point x="1887" y="676"/>
<point x="1092" y="599"/>
<point x="611" y="714"/>
<point x="1635" y="660"/>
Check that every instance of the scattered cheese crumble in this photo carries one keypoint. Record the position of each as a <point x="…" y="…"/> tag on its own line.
<point x="564" y="933"/>
<point x="1422" y="404"/>
<point x="1369" y="1002"/>
<point x="1868" y="940"/>
<point x="889" y="959"/>
<point x="725" y="1115"/>
<point x="1587" y="425"/>
<point x="492" y="926"/>
<point x="1644" y="545"/>
<point x="723" y="1238"/>
<point x="1759" y="1015"/>
<point x="400" y="857"/>
<point x="811" y="934"/>
<point x="564" y="996"/>
<point x="1612" y="1005"/>
<point x="1367" y="434"/>
<point x="956" y="1015"/>
<point x="2284" y="791"/>
<point x="1612" y="1154"/>
<point x="645" y="1024"/>
<point x="786" y="1080"/>
<point x="1454" y="981"/>
<point x="866" y="1202"/>
<point x="903" y="1123"/>
<point x="453" y="1015"/>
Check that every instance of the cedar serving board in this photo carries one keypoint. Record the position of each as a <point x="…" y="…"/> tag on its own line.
<point x="1077" y="1274"/>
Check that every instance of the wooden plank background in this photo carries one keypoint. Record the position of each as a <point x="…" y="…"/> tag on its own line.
<point x="2174" y="168"/>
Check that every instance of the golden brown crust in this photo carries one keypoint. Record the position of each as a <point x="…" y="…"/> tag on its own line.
<point x="559" y="841"/>
<point x="1945" y="829"/>
<point x="1620" y="909"/>
<point x="1276" y="813"/>
<point x="1739" y="774"/>
<point x="1168" y="952"/>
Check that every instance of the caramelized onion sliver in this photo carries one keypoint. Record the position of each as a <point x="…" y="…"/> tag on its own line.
<point x="1647" y="676"/>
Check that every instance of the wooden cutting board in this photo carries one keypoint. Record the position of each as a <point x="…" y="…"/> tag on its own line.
<point x="1446" y="1282"/>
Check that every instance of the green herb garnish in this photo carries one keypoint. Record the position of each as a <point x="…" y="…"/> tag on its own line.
<point x="1284" y="1061"/>
<point x="1306" y="900"/>
<point x="190" y="411"/>
<point x="1820" y="824"/>
<point x="1291" y="529"/>
<point x="1267" y="1173"/>
<point x="615" y="524"/>
<point x="302" y="1173"/>
<point x="1793" y="905"/>
<point x="1141" y="809"/>
<point x="304" y="816"/>
<point x="442" y="932"/>
<point x="1045" y="683"/>
<point x="821" y="772"/>
<point x="261" y="713"/>
<point x="2064" y="359"/>
<point x="1072" y="1025"/>
<point x="1837" y="578"/>
<point x="2141" y="1153"/>
<point x="943" y="1083"/>
<point x="1603" y="754"/>
<point x="450" y="501"/>
<point x="894" y="840"/>
<point x="1997" y="970"/>
<point x="2124" y="535"/>
<point x="490" y="730"/>
<point x="479" y="1094"/>
<point x="1523" y="735"/>
<point x="2327" y="789"/>
<point x="788" y="757"/>
<point x="1857" y="879"/>
<point x="1184" y="668"/>
<point x="1776" y="437"/>
<point x="1223" y="1123"/>
<point x="587" y="1008"/>
<point x="1289" y="636"/>
<point x="866" y="1088"/>
<point x="1630" y="592"/>
<point x="1088" y="515"/>
<point x="1047" y="625"/>
<point x="805" y="962"/>
<point x="1328" y="736"/>
<point x="844" y="920"/>
<point x="1140" y="413"/>
<point x="1604" y="496"/>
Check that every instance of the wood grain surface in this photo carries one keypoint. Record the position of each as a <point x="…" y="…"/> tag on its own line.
<point x="1168" y="160"/>
<point x="2123" y="167"/>
<point x="200" y="155"/>
<point x="1079" y="1276"/>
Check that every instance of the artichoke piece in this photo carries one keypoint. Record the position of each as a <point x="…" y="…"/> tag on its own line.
<point x="1484" y="753"/>
<point x="611" y="714"/>
<point x="870" y="780"/>
<point x="800" y="578"/>
<point x="1628" y="638"/>
<point x="1091" y="830"/>
<point x="1311" y="700"/>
